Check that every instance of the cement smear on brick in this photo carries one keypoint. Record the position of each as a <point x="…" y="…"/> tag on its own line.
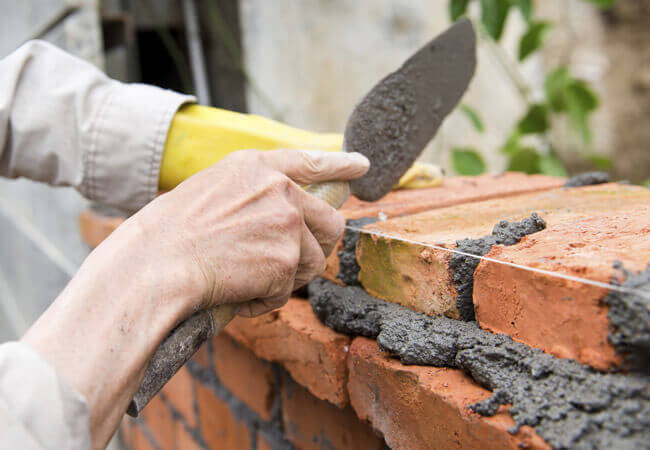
<point x="569" y="405"/>
<point x="588" y="179"/>
<point x="349" y="268"/>
<point x="463" y="267"/>
<point x="629" y="315"/>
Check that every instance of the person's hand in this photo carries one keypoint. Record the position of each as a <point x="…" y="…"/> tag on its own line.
<point x="243" y="230"/>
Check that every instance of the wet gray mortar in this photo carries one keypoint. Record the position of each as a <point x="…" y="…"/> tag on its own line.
<point x="348" y="266"/>
<point x="629" y="315"/>
<point x="588" y="179"/>
<point x="569" y="405"/>
<point x="463" y="267"/>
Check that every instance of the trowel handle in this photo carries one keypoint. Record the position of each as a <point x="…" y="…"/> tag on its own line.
<point x="177" y="348"/>
<point x="184" y="340"/>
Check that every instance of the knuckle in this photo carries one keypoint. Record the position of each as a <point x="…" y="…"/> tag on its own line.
<point x="313" y="163"/>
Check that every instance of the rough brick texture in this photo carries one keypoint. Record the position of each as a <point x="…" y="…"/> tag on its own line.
<point x="426" y="407"/>
<point x="453" y="191"/>
<point x="313" y="354"/>
<point x="310" y="423"/>
<point x="242" y="373"/>
<point x="566" y="318"/>
<point x="419" y="277"/>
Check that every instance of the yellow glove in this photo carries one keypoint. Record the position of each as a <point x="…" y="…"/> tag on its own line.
<point x="199" y="136"/>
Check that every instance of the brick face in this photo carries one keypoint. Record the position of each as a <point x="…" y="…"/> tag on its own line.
<point x="425" y="407"/>
<point x="453" y="191"/>
<point x="242" y="373"/>
<point x="565" y="318"/>
<point x="313" y="353"/>
<point x="311" y="423"/>
<point x="179" y="392"/>
<point x="220" y="428"/>
<point x="419" y="277"/>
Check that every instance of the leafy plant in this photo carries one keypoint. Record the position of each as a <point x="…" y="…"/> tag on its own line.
<point x="564" y="94"/>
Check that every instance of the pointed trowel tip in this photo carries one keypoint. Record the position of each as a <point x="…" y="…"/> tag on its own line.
<point x="395" y="121"/>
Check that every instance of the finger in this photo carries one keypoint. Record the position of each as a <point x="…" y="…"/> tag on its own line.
<point x="312" y="166"/>
<point x="325" y="223"/>
<point x="258" y="307"/>
<point x="312" y="260"/>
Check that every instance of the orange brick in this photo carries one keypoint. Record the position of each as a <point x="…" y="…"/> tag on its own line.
<point x="220" y="429"/>
<point x="311" y="423"/>
<point x="313" y="353"/>
<point x="184" y="440"/>
<point x="453" y="191"/>
<point x="160" y="422"/>
<point x="262" y="443"/>
<point x="202" y="357"/>
<point x="426" y="407"/>
<point x="179" y="392"/>
<point x="94" y="227"/>
<point x="419" y="277"/>
<point x="566" y="318"/>
<point x="249" y="378"/>
<point x="140" y="441"/>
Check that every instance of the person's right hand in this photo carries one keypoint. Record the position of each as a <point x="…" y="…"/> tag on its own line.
<point x="243" y="230"/>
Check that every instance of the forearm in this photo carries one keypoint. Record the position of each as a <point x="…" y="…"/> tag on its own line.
<point x="103" y="328"/>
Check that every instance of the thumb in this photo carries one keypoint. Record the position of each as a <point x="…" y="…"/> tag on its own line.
<point x="313" y="166"/>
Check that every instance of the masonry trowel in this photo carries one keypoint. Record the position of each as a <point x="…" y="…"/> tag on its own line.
<point x="391" y="125"/>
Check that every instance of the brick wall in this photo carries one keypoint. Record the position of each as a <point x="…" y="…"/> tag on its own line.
<point x="286" y="380"/>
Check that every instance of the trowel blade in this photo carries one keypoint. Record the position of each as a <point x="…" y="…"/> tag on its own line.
<point x="393" y="123"/>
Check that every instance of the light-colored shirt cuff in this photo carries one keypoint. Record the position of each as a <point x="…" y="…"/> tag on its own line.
<point x="38" y="407"/>
<point x="122" y="165"/>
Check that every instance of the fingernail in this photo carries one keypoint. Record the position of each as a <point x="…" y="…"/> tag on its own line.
<point x="358" y="158"/>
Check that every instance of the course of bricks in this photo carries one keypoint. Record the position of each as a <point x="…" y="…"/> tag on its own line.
<point x="286" y="380"/>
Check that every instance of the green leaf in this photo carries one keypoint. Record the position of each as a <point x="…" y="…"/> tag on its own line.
<point x="580" y="101"/>
<point x="526" y="160"/>
<point x="604" y="4"/>
<point x="512" y="144"/>
<point x="550" y="165"/>
<point x="493" y="16"/>
<point x="526" y="8"/>
<point x="555" y="85"/>
<point x="467" y="161"/>
<point x="535" y="120"/>
<point x="600" y="162"/>
<point x="533" y="39"/>
<point x="646" y="183"/>
<point x="457" y="9"/>
<point x="473" y="117"/>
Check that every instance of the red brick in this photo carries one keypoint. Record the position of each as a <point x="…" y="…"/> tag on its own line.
<point x="262" y="443"/>
<point x="160" y="422"/>
<point x="249" y="378"/>
<point x="453" y="191"/>
<point x="419" y="278"/>
<point x="140" y="440"/>
<point x="184" y="440"/>
<point x="220" y="429"/>
<point x="179" y="392"/>
<point x="566" y="318"/>
<point x="426" y="407"/>
<point x="313" y="353"/>
<point x="311" y="423"/>
<point x="202" y="357"/>
<point x="94" y="227"/>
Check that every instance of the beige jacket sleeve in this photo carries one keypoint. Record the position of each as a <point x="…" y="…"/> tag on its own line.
<point x="63" y="122"/>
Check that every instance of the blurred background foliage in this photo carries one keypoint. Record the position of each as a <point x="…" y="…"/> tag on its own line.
<point x="564" y="94"/>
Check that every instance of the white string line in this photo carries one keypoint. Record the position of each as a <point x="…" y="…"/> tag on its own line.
<point x="613" y="287"/>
